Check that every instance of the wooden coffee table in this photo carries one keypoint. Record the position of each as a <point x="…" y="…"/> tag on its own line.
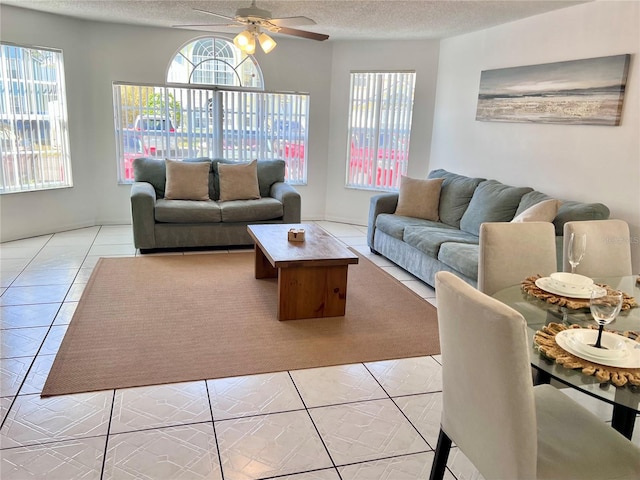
<point x="312" y="275"/>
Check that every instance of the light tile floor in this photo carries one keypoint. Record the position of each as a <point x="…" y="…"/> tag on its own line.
<point x="368" y="421"/>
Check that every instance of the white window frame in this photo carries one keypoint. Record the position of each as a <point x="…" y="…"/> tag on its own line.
<point x="33" y="120"/>
<point x="214" y="61"/>
<point x="380" y="114"/>
<point x="216" y="107"/>
<point x="212" y="122"/>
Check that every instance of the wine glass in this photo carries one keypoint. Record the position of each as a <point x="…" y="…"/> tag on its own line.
<point x="604" y="309"/>
<point x="577" y="247"/>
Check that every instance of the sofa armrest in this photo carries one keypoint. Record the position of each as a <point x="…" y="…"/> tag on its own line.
<point x="384" y="203"/>
<point x="291" y="203"/>
<point x="143" y="201"/>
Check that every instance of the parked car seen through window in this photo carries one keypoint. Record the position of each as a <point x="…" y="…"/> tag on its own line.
<point x="153" y="124"/>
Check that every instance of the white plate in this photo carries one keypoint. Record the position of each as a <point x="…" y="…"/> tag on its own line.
<point x="573" y="341"/>
<point x="583" y="339"/>
<point x="548" y="285"/>
<point x="570" y="282"/>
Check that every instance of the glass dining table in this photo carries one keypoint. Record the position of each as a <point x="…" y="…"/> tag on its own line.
<point x="538" y="313"/>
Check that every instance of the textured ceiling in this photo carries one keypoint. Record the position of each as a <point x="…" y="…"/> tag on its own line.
<point x="340" y="19"/>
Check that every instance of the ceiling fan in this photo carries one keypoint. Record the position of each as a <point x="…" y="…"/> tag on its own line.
<point x="255" y="19"/>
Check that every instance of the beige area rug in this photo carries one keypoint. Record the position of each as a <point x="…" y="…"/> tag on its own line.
<point x="165" y="319"/>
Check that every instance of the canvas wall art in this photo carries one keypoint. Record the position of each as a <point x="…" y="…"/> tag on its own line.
<point x="576" y="92"/>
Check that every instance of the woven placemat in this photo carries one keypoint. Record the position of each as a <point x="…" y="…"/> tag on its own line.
<point x="545" y="340"/>
<point x="530" y="287"/>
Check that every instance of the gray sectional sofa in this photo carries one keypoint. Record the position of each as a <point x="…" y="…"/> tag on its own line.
<point x="159" y="223"/>
<point x="424" y="247"/>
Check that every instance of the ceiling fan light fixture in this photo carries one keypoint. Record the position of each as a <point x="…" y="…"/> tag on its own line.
<point x="266" y="42"/>
<point x="243" y="40"/>
<point x="250" y="49"/>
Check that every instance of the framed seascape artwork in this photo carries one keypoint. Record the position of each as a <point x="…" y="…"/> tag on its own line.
<point x="576" y="92"/>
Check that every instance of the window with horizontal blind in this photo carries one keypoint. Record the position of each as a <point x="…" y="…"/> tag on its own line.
<point x="34" y="139"/>
<point x="381" y="107"/>
<point x="239" y="125"/>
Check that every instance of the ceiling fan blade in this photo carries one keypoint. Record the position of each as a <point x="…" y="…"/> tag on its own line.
<point x="215" y="14"/>
<point x="302" y="33"/>
<point x="229" y="25"/>
<point x="293" y="21"/>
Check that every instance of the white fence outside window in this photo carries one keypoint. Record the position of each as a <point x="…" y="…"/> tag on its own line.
<point x="34" y="139"/>
<point x="187" y="122"/>
<point x="379" y="129"/>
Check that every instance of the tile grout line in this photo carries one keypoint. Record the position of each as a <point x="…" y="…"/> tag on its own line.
<point x="33" y="361"/>
<point x="106" y="442"/>
<point x="402" y="411"/>
<point x="49" y="442"/>
<point x="401" y="455"/>
<point x="215" y="433"/>
<point x="408" y="419"/>
<point x="398" y="407"/>
<point x="314" y="425"/>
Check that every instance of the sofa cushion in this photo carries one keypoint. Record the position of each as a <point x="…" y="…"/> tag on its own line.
<point x="455" y="195"/>
<point x="187" y="181"/>
<point x="187" y="211"/>
<point x="568" y="211"/>
<point x="269" y="172"/>
<point x="571" y="211"/>
<point x="215" y="165"/>
<point x="151" y="170"/>
<point x="239" y="182"/>
<point x="462" y="257"/>
<point x="544" y="211"/>
<point x="419" y="198"/>
<point x="429" y="239"/>
<point x="394" y="225"/>
<point x="530" y="199"/>
<point x="491" y="202"/>
<point x="266" y="208"/>
<point x="212" y="192"/>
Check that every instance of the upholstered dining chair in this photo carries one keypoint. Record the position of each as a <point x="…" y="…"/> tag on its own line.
<point x="510" y="252"/>
<point x="505" y="426"/>
<point x="608" y="252"/>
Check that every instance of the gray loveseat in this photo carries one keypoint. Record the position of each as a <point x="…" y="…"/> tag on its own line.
<point x="161" y="223"/>
<point x="424" y="247"/>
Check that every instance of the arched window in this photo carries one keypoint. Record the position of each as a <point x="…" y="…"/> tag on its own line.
<point x="215" y="61"/>
<point x="213" y="104"/>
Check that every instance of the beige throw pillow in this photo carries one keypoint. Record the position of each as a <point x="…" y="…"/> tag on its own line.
<point x="544" y="211"/>
<point x="419" y="198"/>
<point x="239" y="182"/>
<point x="187" y="181"/>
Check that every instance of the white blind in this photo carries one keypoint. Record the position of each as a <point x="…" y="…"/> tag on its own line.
<point x="34" y="140"/>
<point x="381" y="106"/>
<point x="237" y="125"/>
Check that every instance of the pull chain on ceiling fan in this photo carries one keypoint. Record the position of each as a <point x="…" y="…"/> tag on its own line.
<point x="254" y="20"/>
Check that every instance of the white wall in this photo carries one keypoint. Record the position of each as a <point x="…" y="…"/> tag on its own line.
<point x="580" y="162"/>
<point x="349" y="205"/>
<point x="97" y="54"/>
<point x="34" y="213"/>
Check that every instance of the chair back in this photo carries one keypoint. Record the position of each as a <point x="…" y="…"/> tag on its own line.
<point x="608" y="252"/>
<point x="488" y="399"/>
<point x="510" y="252"/>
